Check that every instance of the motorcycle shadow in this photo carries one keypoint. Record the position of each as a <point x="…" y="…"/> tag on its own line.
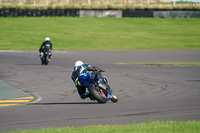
<point x="38" y="64"/>
<point x="69" y="103"/>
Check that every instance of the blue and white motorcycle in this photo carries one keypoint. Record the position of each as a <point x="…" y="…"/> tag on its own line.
<point x="98" y="90"/>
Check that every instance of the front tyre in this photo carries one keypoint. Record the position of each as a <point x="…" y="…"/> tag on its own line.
<point x="99" y="96"/>
<point x="114" y="98"/>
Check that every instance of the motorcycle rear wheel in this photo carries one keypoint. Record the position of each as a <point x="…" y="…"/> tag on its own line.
<point x="46" y="60"/>
<point x="96" y="95"/>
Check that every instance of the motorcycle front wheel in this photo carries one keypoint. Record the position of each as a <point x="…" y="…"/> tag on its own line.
<point x="114" y="98"/>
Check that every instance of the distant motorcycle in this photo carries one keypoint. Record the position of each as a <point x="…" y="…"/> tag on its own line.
<point x="45" y="57"/>
<point x="99" y="90"/>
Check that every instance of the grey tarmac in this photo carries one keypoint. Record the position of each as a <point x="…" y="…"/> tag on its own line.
<point x="146" y="93"/>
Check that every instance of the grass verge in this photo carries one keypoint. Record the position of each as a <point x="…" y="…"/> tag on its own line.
<point x="68" y="33"/>
<point x="150" y="127"/>
<point x="161" y="63"/>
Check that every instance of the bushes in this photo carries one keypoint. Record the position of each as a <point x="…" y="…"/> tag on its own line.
<point x="14" y="12"/>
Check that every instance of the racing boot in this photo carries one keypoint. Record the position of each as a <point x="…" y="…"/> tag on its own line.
<point x="85" y="95"/>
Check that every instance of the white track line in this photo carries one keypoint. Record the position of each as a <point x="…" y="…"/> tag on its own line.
<point x="39" y="98"/>
<point x="61" y="52"/>
<point x="16" y="51"/>
<point x="10" y="51"/>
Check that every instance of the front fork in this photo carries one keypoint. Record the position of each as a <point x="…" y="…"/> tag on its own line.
<point x="109" y="92"/>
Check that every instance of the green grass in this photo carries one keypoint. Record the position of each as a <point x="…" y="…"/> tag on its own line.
<point x="161" y="63"/>
<point x="68" y="33"/>
<point x="150" y="127"/>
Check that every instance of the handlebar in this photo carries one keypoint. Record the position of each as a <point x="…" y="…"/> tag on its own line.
<point x="100" y="70"/>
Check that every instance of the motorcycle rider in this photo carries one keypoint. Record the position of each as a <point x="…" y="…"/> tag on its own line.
<point x="79" y="69"/>
<point x="41" y="50"/>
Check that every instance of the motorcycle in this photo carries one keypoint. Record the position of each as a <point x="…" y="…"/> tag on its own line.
<point x="98" y="90"/>
<point x="45" y="55"/>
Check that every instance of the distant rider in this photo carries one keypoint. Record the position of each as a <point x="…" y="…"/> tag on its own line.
<point x="41" y="50"/>
<point x="79" y="69"/>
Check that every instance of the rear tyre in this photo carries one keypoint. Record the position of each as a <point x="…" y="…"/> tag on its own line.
<point x="46" y="60"/>
<point x="96" y="95"/>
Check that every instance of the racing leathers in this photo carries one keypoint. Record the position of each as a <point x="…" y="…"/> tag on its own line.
<point x="79" y="70"/>
<point x="41" y="50"/>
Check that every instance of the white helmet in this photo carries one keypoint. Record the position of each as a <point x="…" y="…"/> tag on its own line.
<point x="47" y="39"/>
<point x="78" y="63"/>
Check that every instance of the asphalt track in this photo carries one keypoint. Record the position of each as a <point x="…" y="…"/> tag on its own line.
<point x="145" y="93"/>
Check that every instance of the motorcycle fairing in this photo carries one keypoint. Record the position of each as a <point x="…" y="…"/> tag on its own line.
<point x="85" y="79"/>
